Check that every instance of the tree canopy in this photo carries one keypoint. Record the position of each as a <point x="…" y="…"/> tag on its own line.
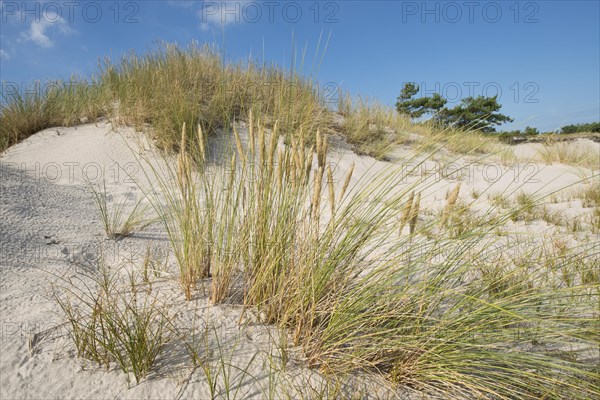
<point x="577" y="128"/>
<point x="475" y="113"/>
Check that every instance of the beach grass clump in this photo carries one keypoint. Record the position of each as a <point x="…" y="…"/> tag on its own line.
<point x="595" y="220"/>
<point x="555" y="217"/>
<point x="171" y="86"/>
<point x="499" y="200"/>
<point x="111" y="322"/>
<point x="463" y="141"/>
<point x="584" y="263"/>
<point x="470" y="142"/>
<point x="372" y="128"/>
<point x="423" y="336"/>
<point x="567" y="264"/>
<point x="506" y="155"/>
<point x="504" y="277"/>
<point x="58" y="103"/>
<point x="526" y="207"/>
<point x="326" y="263"/>
<point x="160" y="91"/>
<point x="461" y="220"/>
<point x="590" y="195"/>
<point x="570" y="153"/>
<point x="458" y="218"/>
<point x="184" y="205"/>
<point x="119" y="219"/>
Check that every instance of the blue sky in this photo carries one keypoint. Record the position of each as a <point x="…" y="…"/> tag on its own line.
<point x="541" y="57"/>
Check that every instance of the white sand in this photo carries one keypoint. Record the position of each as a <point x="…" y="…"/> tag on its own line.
<point x="49" y="226"/>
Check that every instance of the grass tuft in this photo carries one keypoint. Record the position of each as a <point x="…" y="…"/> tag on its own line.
<point x="571" y="153"/>
<point x="119" y="219"/>
<point x="61" y="104"/>
<point x="372" y="128"/>
<point x="111" y="323"/>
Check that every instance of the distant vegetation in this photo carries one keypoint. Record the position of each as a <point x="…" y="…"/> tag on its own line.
<point x="527" y="131"/>
<point x="578" y="128"/>
<point x="474" y="113"/>
<point x="574" y="128"/>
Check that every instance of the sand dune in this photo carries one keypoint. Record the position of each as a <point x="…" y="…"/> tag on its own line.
<point x="50" y="228"/>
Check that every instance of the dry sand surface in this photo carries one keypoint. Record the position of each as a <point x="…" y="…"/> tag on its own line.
<point x="50" y="228"/>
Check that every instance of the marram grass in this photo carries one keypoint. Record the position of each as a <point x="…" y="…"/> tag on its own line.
<point x="437" y="313"/>
<point x="160" y="91"/>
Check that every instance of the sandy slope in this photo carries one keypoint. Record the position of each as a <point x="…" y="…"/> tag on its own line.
<point x="50" y="227"/>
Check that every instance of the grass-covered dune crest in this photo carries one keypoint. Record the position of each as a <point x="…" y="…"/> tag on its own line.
<point x="164" y="89"/>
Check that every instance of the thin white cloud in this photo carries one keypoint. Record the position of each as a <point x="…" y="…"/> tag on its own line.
<point x="221" y="13"/>
<point x="4" y="55"/>
<point x="38" y="32"/>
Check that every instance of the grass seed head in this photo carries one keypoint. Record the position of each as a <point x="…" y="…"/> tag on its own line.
<point x="331" y="190"/>
<point x="238" y="144"/>
<point x="406" y="212"/>
<point x="452" y="198"/>
<point x="415" y="213"/>
<point x="346" y="182"/>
